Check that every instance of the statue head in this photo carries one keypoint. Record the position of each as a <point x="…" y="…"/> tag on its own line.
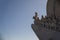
<point x="36" y="14"/>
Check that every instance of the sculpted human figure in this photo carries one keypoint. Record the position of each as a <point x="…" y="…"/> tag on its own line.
<point x="36" y="18"/>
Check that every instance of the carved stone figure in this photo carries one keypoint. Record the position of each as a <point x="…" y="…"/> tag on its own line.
<point x="36" y="18"/>
<point x="48" y="27"/>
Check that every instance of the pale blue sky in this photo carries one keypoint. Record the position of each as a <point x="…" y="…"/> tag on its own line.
<point x="16" y="18"/>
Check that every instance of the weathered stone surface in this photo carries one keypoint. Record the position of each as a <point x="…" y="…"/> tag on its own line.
<point x="48" y="27"/>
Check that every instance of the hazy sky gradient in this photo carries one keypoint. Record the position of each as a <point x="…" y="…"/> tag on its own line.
<point x="16" y="18"/>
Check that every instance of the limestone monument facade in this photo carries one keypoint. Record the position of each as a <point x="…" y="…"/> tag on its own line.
<point x="48" y="27"/>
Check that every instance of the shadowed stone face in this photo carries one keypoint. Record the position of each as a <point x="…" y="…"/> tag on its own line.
<point x="57" y="9"/>
<point x="50" y="39"/>
<point x="53" y="8"/>
<point x="58" y="1"/>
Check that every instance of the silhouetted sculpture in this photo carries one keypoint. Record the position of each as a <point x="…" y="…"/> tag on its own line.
<point x="36" y="16"/>
<point x="36" y="19"/>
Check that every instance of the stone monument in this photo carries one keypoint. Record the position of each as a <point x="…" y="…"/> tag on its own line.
<point x="48" y="27"/>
